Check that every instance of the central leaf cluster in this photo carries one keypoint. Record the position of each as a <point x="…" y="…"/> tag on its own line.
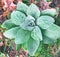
<point x="29" y="26"/>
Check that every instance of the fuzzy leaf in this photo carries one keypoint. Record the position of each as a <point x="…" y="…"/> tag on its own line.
<point x="17" y="17"/>
<point x="22" y="7"/>
<point x="52" y="32"/>
<point x="33" y="11"/>
<point x="32" y="46"/>
<point x="28" y="24"/>
<point x="36" y="33"/>
<point x="22" y="36"/>
<point x="8" y="24"/>
<point x="47" y="40"/>
<point x="11" y="33"/>
<point x="51" y="12"/>
<point x="45" y="21"/>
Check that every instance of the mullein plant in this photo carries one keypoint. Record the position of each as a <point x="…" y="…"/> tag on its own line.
<point x="29" y="26"/>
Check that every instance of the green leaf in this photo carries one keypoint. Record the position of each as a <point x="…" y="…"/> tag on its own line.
<point x="18" y="47"/>
<point x="28" y="24"/>
<point x="8" y="24"/>
<point x="52" y="32"/>
<point x="36" y="33"/>
<point x="39" y="49"/>
<point x="32" y="46"/>
<point x="17" y="17"/>
<point x="34" y="11"/>
<point x="29" y="17"/>
<point x="22" y="36"/>
<point x="47" y="40"/>
<point x="2" y="55"/>
<point x="51" y="12"/>
<point x="11" y="33"/>
<point x="45" y="21"/>
<point x="22" y="7"/>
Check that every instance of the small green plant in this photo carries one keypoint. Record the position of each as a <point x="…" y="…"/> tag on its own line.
<point x="29" y="27"/>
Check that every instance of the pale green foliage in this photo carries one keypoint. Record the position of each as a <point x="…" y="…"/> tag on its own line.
<point x="36" y="33"/>
<point x="33" y="11"/>
<point x="51" y="12"/>
<point x="32" y="46"/>
<point x="45" y="21"/>
<point x="2" y="55"/>
<point x="22" y="7"/>
<point x="26" y="26"/>
<point x="11" y="33"/>
<point x="17" y="17"/>
<point x="52" y="32"/>
<point x="22" y="36"/>
<point x="8" y="24"/>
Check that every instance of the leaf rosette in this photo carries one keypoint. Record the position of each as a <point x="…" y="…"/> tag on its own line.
<point x="28" y="26"/>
